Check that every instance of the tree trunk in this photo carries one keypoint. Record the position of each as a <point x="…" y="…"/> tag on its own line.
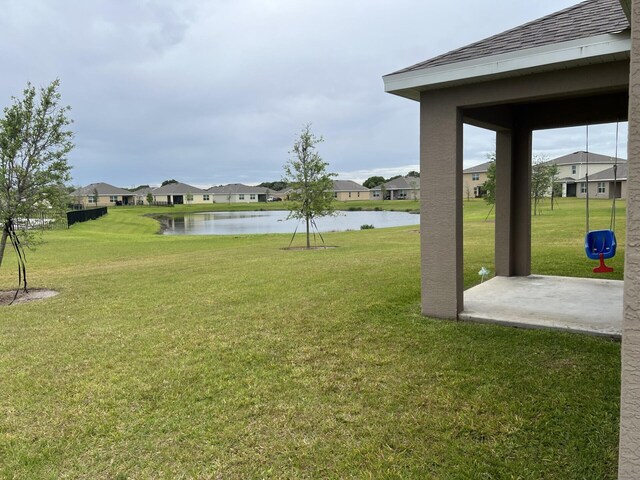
<point x="308" y="239"/>
<point x="3" y="242"/>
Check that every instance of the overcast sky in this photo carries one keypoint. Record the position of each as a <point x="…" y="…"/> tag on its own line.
<point x="213" y="92"/>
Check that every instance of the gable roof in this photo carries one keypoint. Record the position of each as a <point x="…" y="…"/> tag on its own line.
<point x="579" y="158"/>
<point x="587" y="19"/>
<point x="401" y="183"/>
<point x="591" y="31"/>
<point x="177" y="189"/>
<point x="236" y="188"/>
<point x="607" y="175"/>
<point x="142" y="191"/>
<point x="481" y="168"/>
<point x="102" y="188"/>
<point x="348" y="186"/>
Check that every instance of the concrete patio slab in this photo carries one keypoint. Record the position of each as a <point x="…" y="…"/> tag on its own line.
<point x="581" y="305"/>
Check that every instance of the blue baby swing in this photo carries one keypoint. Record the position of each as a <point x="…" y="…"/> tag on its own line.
<point x="601" y="244"/>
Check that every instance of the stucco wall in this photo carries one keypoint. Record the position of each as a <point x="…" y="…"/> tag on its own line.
<point x="350" y="196"/>
<point x="469" y="185"/>
<point x="629" y="464"/>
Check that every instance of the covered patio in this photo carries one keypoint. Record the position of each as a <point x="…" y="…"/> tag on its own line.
<point x="540" y="301"/>
<point x="570" y="68"/>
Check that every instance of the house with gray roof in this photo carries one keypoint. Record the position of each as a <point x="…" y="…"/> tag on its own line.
<point x="573" y="166"/>
<point x="605" y="183"/>
<point x="473" y="179"/>
<point x="239" y="193"/>
<point x="401" y="188"/>
<point x="102" y="195"/>
<point x="348" y="190"/>
<point x="180" y="193"/>
<point x="141" y="195"/>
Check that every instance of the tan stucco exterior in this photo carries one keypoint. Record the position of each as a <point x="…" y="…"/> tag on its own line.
<point x="629" y="456"/>
<point x="602" y="189"/>
<point x="103" y="200"/>
<point x="235" y="197"/>
<point x="195" y="199"/>
<point x="472" y="184"/>
<point x="351" y="196"/>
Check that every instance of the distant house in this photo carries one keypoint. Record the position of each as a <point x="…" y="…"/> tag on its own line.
<point x="401" y="188"/>
<point x="473" y="179"/>
<point x="239" y="193"/>
<point x="181" y="193"/>
<point x="348" y="190"/>
<point x="141" y="195"/>
<point x="603" y="184"/>
<point x="102" y="195"/>
<point x="573" y="167"/>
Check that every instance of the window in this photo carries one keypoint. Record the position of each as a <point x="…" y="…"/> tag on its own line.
<point x="335" y="194"/>
<point x="601" y="187"/>
<point x="113" y="198"/>
<point x="252" y="196"/>
<point x="583" y="188"/>
<point x="475" y="176"/>
<point x="91" y="199"/>
<point x="574" y="169"/>
<point x="358" y="194"/>
<point x="241" y="196"/>
<point x="376" y="193"/>
<point x="205" y="198"/>
<point x="349" y="194"/>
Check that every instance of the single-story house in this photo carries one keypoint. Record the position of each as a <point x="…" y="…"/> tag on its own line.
<point x="102" y="195"/>
<point x="603" y="184"/>
<point x="401" y="188"/>
<point x="141" y="195"/>
<point x="473" y="179"/>
<point x="348" y="190"/>
<point x="239" y="193"/>
<point x="574" y="166"/>
<point x="180" y="193"/>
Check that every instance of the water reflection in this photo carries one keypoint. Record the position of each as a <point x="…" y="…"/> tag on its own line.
<point x="238" y="223"/>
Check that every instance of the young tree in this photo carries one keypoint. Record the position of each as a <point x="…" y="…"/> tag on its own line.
<point x="312" y="188"/>
<point x="542" y="175"/>
<point x="149" y="198"/>
<point x="34" y="144"/>
<point x="489" y="186"/>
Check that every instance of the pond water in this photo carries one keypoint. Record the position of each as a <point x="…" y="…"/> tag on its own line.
<point x="239" y="223"/>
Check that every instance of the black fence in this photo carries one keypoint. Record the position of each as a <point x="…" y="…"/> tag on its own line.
<point x="84" y="215"/>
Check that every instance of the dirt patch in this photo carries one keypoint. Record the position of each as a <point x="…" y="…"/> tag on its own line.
<point x="6" y="297"/>
<point x="323" y="247"/>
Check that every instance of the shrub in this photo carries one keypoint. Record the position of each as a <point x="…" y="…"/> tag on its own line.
<point x="354" y="209"/>
<point x="366" y="227"/>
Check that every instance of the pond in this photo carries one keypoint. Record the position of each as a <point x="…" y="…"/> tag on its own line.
<point x="239" y="223"/>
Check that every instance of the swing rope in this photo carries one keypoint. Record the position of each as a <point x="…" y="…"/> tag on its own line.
<point x="586" y="177"/>
<point x="612" y="222"/>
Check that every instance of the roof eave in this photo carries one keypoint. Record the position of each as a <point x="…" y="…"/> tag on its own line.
<point x="585" y="51"/>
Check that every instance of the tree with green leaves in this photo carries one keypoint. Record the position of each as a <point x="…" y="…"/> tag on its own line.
<point x="489" y="185"/>
<point x="542" y="175"/>
<point x="167" y="182"/>
<point x="374" y="181"/>
<point x="149" y="198"/>
<point x="34" y="143"/>
<point x="312" y="186"/>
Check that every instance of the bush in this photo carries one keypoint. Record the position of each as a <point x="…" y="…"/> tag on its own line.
<point x="366" y="227"/>
<point x="354" y="209"/>
<point x="377" y="209"/>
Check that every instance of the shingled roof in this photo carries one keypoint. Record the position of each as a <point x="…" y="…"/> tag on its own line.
<point x="102" y="189"/>
<point x="481" y="168"/>
<point x="238" y="188"/>
<point x="578" y="158"/>
<point x="177" y="189"/>
<point x="607" y="175"/>
<point x="587" y="19"/>
<point x="348" y="186"/>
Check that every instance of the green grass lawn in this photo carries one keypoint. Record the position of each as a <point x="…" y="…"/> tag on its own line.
<point x="228" y="357"/>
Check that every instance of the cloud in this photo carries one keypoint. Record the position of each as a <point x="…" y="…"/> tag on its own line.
<point x="215" y="92"/>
